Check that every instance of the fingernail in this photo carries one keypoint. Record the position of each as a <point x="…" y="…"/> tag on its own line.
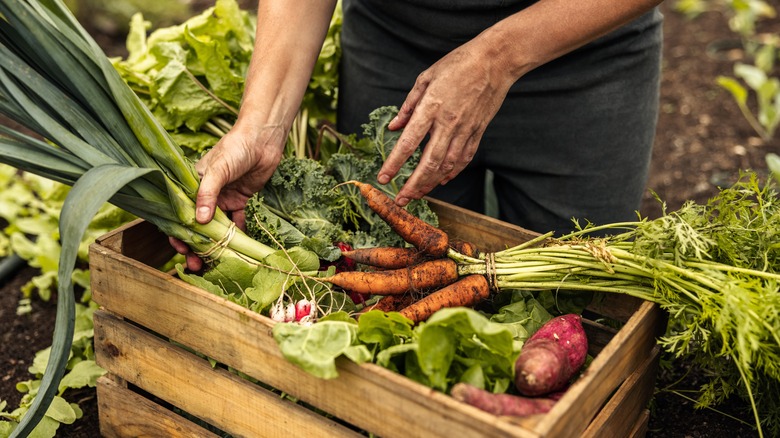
<point x="402" y="201"/>
<point x="383" y="179"/>
<point x="203" y="214"/>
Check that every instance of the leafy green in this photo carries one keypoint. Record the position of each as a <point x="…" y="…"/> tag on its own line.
<point x="192" y="74"/>
<point x="315" y="348"/>
<point x="454" y="345"/>
<point x="523" y="315"/>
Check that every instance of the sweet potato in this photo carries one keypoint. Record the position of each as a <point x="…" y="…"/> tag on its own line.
<point x="501" y="404"/>
<point x="551" y="356"/>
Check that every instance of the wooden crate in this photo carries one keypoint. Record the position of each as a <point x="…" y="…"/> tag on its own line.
<point x="151" y="323"/>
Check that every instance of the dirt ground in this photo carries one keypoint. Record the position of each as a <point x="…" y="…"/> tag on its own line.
<point x="702" y="142"/>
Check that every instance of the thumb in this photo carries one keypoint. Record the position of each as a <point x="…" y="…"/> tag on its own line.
<point x="206" y="200"/>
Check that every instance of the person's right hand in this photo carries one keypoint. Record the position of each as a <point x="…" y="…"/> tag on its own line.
<point x="236" y="168"/>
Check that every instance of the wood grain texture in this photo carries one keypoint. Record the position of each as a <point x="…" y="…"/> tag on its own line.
<point x="124" y="414"/>
<point x="624" y="412"/>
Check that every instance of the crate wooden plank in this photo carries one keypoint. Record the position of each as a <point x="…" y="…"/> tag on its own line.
<point x="139" y="240"/>
<point x="625" y="353"/>
<point x="625" y="409"/>
<point x="200" y="320"/>
<point x="641" y="427"/>
<point x="598" y="336"/>
<point x="187" y="381"/>
<point x="123" y="413"/>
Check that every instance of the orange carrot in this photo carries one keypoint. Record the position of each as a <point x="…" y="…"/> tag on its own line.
<point x="501" y="404"/>
<point x="391" y="303"/>
<point x="412" y="229"/>
<point x="385" y="257"/>
<point x="467" y="291"/>
<point x="465" y="248"/>
<point x="425" y="275"/>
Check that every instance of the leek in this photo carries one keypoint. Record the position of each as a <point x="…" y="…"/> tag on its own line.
<point x="100" y="138"/>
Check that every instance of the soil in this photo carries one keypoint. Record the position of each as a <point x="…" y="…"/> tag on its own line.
<point x="703" y="142"/>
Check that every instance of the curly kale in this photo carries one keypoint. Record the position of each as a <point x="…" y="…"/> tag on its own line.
<point x="305" y="203"/>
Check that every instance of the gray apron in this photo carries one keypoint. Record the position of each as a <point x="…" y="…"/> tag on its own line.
<point x="573" y="138"/>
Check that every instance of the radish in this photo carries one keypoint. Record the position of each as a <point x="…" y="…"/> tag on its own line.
<point x="302" y="309"/>
<point x="277" y="312"/>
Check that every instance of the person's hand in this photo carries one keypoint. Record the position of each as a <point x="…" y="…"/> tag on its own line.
<point x="453" y="101"/>
<point x="236" y="168"/>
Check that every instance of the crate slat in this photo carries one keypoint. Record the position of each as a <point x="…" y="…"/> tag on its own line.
<point x="123" y="413"/>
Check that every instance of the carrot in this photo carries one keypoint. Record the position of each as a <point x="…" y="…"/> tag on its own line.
<point x="391" y="303"/>
<point x="465" y="248"/>
<point x="551" y="356"/>
<point x="425" y="275"/>
<point x="467" y="291"/>
<point x="422" y="235"/>
<point x="500" y="404"/>
<point x="385" y="257"/>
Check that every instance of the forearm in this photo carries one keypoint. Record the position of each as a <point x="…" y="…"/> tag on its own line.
<point x="551" y="28"/>
<point x="288" y="40"/>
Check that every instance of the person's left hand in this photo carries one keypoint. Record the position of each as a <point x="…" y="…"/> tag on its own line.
<point x="453" y="101"/>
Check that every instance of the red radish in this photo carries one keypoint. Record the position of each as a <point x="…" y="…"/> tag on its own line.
<point x="302" y="309"/>
<point x="501" y="404"/>
<point x="551" y="356"/>
<point x="342" y="264"/>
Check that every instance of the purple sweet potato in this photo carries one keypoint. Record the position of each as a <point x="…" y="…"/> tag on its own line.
<point x="501" y="404"/>
<point x="551" y="356"/>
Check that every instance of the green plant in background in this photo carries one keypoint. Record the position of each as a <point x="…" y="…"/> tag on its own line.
<point x="766" y="90"/>
<point x="743" y="14"/>
<point x="754" y="87"/>
<point x="112" y="17"/>
<point x="31" y="206"/>
<point x="81" y="371"/>
<point x="192" y="76"/>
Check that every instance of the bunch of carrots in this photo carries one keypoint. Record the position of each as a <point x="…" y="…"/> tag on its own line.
<point x="405" y="277"/>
